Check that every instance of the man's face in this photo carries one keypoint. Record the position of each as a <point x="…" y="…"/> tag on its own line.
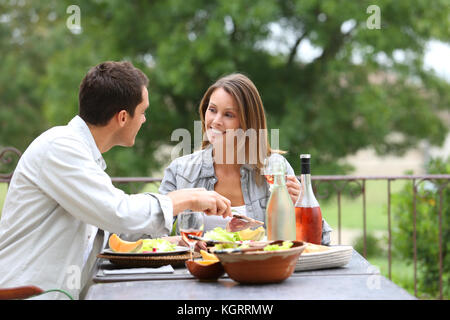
<point x="134" y="123"/>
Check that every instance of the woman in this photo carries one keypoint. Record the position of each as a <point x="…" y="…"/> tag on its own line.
<point x="234" y="147"/>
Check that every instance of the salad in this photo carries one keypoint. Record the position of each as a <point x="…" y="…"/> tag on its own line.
<point x="275" y="247"/>
<point x="220" y="234"/>
<point x="157" y="245"/>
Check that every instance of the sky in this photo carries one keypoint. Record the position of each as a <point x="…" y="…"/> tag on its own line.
<point x="437" y="53"/>
<point x="437" y="57"/>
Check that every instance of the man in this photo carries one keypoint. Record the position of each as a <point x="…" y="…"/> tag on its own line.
<point x="60" y="199"/>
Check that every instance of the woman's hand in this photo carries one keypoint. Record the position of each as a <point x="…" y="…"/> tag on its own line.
<point x="293" y="187"/>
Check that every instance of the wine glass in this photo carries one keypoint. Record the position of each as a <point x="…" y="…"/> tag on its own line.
<point x="191" y="223"/>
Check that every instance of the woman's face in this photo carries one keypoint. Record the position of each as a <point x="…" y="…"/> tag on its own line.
<point x="221" y="115"/>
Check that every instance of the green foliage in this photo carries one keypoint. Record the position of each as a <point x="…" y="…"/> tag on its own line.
<point x="329" y="105"/>
<point x="428" y="201"/>
<point x="374" y="248"/>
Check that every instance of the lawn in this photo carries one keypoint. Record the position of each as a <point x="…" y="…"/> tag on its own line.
<point x="352" y="209"/>
<point x="3" y="188"/>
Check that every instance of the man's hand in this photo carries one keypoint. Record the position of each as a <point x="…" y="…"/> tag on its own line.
<point x="293" y="187"/>
<point x="199" y="199"/>
<point x="179" y="241"/>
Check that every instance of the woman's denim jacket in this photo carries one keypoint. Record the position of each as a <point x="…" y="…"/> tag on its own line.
<point x="196" y="170"/>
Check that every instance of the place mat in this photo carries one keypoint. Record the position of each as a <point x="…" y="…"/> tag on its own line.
<point x="105" y="277"/>
<point x="158" y="270"/>
<point x="175" y="260"/>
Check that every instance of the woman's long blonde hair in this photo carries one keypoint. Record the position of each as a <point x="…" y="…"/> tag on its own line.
<point x="250" y="109"/>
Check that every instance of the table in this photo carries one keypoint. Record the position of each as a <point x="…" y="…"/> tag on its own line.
<point x="358" y="280"/>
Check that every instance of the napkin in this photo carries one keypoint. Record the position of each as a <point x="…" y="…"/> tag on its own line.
<point x="163" y="269"/>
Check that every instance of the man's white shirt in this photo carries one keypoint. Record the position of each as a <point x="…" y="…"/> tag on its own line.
<point x="58" y="196"/>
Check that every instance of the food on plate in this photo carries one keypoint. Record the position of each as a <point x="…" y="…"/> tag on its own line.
<point x="253" y="246"/>
<point x="157" y="245"/>
<point x="140" y="246"/>
<point x="241" y="222"/>
<point x="275" y="247"/>
<point x="118" y="245"/>
<point x="249" y="234"/>
<point x="311" y="247"/>
<point x="220" y="234"/>
<point x="237" y="239"/>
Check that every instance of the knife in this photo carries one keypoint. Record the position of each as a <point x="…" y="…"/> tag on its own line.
<point x="240" y="250"/>
<point x="209" y="241"/>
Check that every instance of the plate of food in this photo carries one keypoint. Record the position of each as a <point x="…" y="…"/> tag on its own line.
<point x="316" y="257"/>
<point x="176" y="250"/>
<point x="142" y="247"/>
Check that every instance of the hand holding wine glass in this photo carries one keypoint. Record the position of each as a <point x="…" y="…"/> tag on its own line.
<point x="191" y="223"/>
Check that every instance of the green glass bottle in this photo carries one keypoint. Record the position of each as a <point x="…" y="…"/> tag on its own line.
<point x="280" y="212"/>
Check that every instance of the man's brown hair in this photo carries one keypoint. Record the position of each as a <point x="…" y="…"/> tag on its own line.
<point x="109" y="88"/>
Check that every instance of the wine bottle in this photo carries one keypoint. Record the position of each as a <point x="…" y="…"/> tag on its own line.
<point x="280" y="213"/>
<point x="308" y="216"/>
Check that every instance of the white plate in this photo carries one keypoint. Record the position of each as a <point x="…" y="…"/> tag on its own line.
<point x="178" y="250"/>
<point x="337" y="256"/>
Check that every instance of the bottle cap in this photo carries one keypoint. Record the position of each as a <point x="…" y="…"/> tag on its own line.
<point x="305" y="161"/>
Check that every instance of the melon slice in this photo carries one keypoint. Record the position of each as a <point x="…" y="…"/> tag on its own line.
<point x="249" y="234"/>
<point x="206" y="262"/>
<point x="208" y="256"/>
<point x="118" y="245"/>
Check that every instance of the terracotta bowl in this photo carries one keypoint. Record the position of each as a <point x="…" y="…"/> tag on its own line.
<point x="261" y="266"/>
<point x="205" y="272"/>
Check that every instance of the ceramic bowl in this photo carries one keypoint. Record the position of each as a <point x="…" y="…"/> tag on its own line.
<point x="262" y="266"/>
<point x="209" y="272"/>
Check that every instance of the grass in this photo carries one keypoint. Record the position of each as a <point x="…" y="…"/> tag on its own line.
<point x="352" y="209"/>
<point x="3" y="189"/>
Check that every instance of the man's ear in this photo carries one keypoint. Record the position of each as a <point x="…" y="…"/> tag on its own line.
<point x="122" y="117"/>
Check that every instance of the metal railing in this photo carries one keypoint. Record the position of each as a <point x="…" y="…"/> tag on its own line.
<point x="440" y="181"/>
<point x="339" y="184"/>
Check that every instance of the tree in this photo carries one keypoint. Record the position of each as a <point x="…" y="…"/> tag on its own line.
<point x="355" y="93"/>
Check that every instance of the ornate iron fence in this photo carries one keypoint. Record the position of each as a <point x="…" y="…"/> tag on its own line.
<point x="338" y="183"/>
